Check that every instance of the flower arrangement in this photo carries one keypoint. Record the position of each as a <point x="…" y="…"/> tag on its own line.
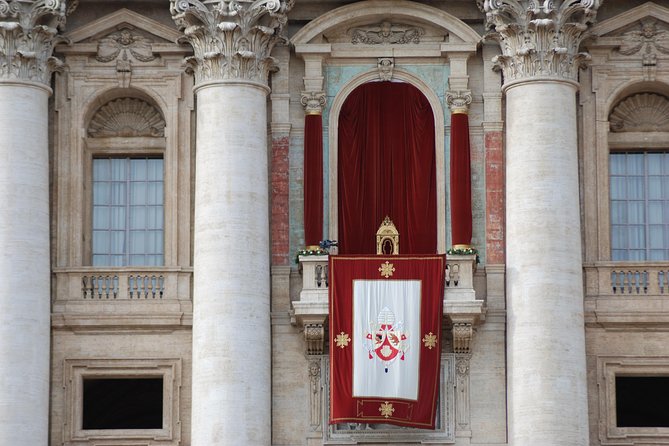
<point x="464" y="252"/>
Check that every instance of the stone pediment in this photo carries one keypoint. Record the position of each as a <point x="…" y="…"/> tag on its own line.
<point x="631" y="21"/>
<point x="109" y="26"/>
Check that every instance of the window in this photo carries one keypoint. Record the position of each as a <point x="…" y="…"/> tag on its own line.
<point x="123" y="403"/>
<point x="127" y="212"/>
<point x="641" y="401"/>
<point x="639" y="205"/>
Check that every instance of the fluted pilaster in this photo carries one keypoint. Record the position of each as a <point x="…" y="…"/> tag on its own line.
<point x="28" y="33"/>
<point x="232" y="40"/>
<point x="539" y="38"/>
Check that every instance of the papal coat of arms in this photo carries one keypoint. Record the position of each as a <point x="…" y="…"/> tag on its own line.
<point x="386" y="340"/>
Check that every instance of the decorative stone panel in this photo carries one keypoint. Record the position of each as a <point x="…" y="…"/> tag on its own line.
<point x="127" y="117"/>
<point x="643" y="112"/>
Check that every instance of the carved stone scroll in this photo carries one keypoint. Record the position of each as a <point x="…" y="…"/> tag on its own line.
<point x="231" y="39"/>
<point x="28" y="33"/>
<point x="539" y="39"/>
<point x="313" y="102"/>
<point x="314" y="335"/>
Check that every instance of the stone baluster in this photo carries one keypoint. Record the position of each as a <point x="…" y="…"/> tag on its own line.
<point x="232" y="42"/>
<point x="28" y="33"/>
<point x="546" y="347"/>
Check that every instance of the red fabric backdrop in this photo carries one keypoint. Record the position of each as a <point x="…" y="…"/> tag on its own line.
<point x="387" y="167"/>
<point x="461" y="184"/>
<point x="313" y="179"/>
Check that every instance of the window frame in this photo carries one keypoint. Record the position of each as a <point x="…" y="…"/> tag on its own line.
<point x="608" y="368"/>
<point x="646" y="204"/>
<point x="126" y="147"/>
<point x="76" y="370"/>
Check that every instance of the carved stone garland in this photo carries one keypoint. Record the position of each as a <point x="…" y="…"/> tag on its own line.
<point x="643" y="112"/>
<point x="231" y="39"/>
<point x="127" y="117"/>
<point x="539" y="38"/>
<point x="28" y="33"/>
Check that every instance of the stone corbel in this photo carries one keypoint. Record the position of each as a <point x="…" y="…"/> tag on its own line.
<point x="314" y="335"/>
<point x="386" y="66"/>
<point x="463" y="309"/>
<point x="313" y="102"/>
<point x="459" y="101"/>
<point x="463" y="332"/>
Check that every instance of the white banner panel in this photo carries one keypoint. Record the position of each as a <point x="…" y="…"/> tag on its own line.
<point x="386" y="338"/>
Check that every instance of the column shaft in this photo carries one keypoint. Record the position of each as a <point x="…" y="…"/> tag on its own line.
<point x="24" y="265"/>
<point x="231" y="327"/>
<point x="546" y="347"/>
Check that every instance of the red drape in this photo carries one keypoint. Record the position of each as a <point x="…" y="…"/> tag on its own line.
<point x="461" y="184"/>
<point x="387" y="167"/>
<point x="313" y="179"/>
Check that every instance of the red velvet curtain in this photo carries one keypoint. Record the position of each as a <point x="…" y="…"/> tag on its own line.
<point x="313" y="179"/>
<point x="387" y="167"/>
<point x="461" y="183"/>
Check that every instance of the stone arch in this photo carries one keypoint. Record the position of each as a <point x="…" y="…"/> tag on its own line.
<point x="437" y="111"/>
<point x="361" y="12"/>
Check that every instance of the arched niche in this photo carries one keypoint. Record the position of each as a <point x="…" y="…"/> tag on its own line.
<point x="438" y="114"/>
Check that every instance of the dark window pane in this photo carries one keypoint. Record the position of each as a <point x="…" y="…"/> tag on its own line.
<point x="641" y="401"/>
<point x="112" y="403"/>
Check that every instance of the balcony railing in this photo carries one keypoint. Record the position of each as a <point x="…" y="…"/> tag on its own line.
<point x="122" y="296"/>
<point x="625" y="279"/>
<point x="459" y="294"/>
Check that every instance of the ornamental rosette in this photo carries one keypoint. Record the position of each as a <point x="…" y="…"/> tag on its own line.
<point x="539" y="38"/>
<point x="28" y="33"/>
<point x="231" y="39"/>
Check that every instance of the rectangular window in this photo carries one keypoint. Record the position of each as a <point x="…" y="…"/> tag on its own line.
<point x="123" y="403"/>
<point x="641" y="401"/>
<point x="639" y="183"/>
<point x="128" y="212"/>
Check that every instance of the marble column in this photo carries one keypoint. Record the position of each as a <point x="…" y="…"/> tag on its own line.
<point x="28" y="32"/>
<point x="232" y="42"/>
<point x="546" y="343"/>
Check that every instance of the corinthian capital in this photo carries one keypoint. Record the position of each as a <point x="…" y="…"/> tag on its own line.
<point x="28" y="33"/>
<point x="539" y="38"/>
<point x="231" y="39"/>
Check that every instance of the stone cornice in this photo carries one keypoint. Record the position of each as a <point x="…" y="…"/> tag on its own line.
<point x="539" y="38"/>
<point x="28" y="33"/>
<point x="231" y="39"/>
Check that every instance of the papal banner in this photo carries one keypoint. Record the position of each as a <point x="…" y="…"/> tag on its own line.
<point x="385" y="338"/>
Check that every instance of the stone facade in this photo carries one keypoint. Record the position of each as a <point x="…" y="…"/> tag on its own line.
<point x="537" y="326"/>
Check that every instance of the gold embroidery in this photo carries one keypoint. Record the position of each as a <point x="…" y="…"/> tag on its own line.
<point x="342" y="340"/>
<point x="386" y="409"/>
<point x="386" y="269"/>
<point x="430" y="340"/>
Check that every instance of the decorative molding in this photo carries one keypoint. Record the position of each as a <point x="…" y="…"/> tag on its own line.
<point x="231" y="39"/>
<point x="28" y="33"/>
<point x="386" y="66"/>
<point x="649" y="39"/>
<point x="313" y="102"/>
<point x="459" y="101"/>
<point x="462" y="393"/>
<point x="315" y="393"/>
<point x="386" y="33"/>
<point x="127" y="117"/>
<point x="314" y="334"/>
<point x="539" y="39"/>
<point x="123" y="46"/>
<point x="463" y="332"/>
<point x="643" y="112"/>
